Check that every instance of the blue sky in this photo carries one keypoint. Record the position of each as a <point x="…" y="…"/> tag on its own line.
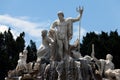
<point x="32" y="16"/>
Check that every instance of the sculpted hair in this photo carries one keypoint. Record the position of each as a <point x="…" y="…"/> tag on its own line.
<point x="60" y="13"/>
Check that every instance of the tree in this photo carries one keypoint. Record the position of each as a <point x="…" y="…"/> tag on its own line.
<point x="10" y="48"/>
<point x="31" y="52"/>
<point x="87" y="42"/>
<point x="20" y="44"/>
<point x="3" y="58"/>
<point x="114" y="42"/>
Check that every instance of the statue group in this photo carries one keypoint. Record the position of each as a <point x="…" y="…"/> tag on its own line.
<point x="58" y="60"/>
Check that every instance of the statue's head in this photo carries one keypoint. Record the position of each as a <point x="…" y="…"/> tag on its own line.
<point x="60" y="16"/>
<point x="44" y="32"/>
<point x="109" y="57"/>
<point x="21" y="55"/>
<point x="60" y="13"/>
<point x="25" y="51"/>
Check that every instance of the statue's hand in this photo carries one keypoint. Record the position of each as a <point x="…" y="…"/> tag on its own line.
<point x="80" y="10"/>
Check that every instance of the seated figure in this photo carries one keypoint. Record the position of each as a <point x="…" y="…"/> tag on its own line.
<point x="44" y="51"/>
<point x="22" y="61"/>
<point x="73" y="50"/>
<point x="106" y="67"/>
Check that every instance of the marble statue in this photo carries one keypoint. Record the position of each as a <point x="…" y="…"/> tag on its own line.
<point x="50" y="72"/>
<point x="22" y="61"/>
<point x="63" y="31"/>
<point x="41" y="69"/>
<point x="106" y="67"/>
<point x="44" y="51"/>
<point x="73" y="50"/>
<point x="20" y="68"/>
<point x="57" y="59"/>
<point x="109" y="69"/>
<point x="53" y="46"/>
<point x="25" y="54"/>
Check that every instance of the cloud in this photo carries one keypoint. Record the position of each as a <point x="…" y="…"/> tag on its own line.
<point x="22" y="24"/>
<point x="3" y="28"/>
<point x="19" y="24"/>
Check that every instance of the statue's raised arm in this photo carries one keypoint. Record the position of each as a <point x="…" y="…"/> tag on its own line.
<point x="93" y="53"/>
<point x="93" y="56"/>
<point x="80" y="11"/>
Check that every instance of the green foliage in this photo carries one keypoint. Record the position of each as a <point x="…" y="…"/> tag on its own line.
<point x="10" y="48"/>
<point x="90" y="38"/>
<point x="31" y="56"/>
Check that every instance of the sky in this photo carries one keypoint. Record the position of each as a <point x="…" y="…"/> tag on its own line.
<point x="33" y="16"/>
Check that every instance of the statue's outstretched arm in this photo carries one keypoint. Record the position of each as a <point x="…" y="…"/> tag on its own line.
<point x="80" y="11"/>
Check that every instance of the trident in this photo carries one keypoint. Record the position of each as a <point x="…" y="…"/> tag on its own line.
<point x="78" y="10"/>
